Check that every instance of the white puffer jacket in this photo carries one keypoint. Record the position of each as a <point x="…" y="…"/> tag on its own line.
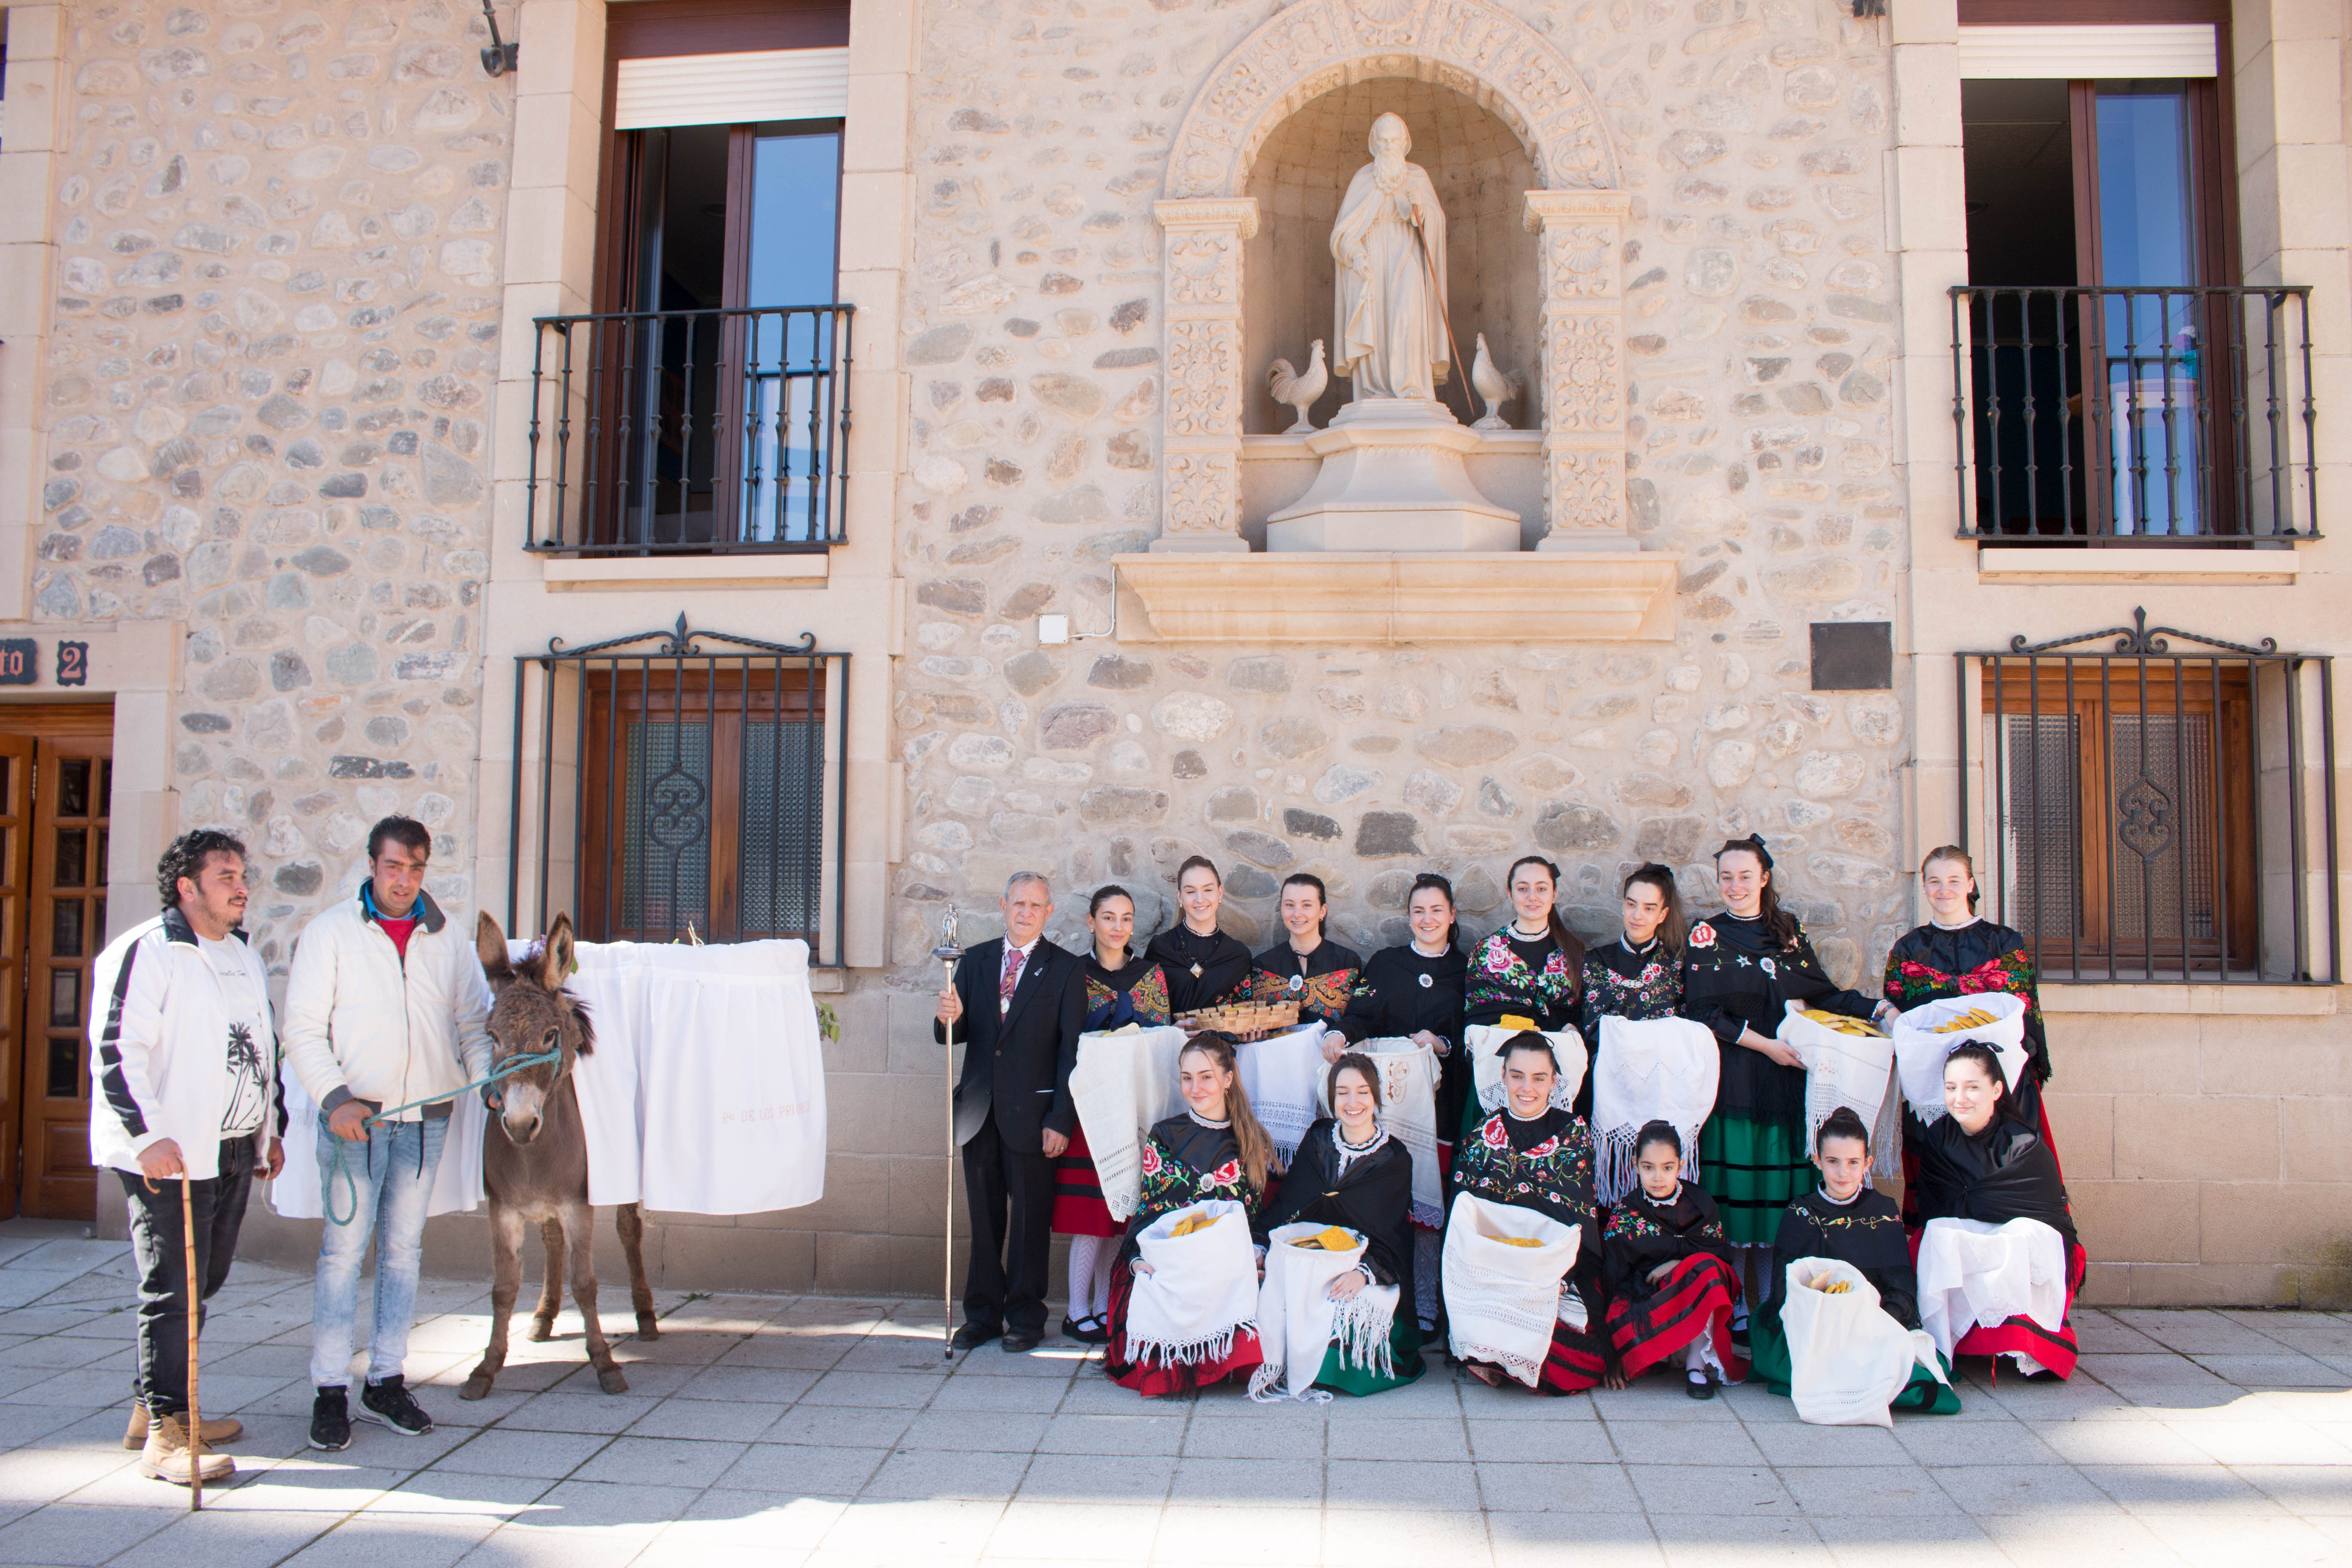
<point x="362" y="1024"/>
<point x="158" y="1049"/>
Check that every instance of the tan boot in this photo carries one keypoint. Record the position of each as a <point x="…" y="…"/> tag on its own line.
<point x="165" y="1457"/>
<point x="218" y="1430"/>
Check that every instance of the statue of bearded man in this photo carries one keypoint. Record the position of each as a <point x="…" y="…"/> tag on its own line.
<point x="1390" y="244"/>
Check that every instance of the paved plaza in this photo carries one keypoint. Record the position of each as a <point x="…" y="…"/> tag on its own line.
<point x="783" y="1431"/>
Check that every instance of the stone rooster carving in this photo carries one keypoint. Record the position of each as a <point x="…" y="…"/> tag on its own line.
<point x="1299" y="389"/>
<point x="1497" y="387"/>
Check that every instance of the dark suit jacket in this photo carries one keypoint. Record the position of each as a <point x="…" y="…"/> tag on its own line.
<point x="1018" y="1063"/>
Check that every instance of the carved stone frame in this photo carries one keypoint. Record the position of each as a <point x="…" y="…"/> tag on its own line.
<point x="1487" y="55"/>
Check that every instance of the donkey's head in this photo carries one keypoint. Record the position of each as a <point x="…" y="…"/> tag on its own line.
<point x="532" y="1014"/>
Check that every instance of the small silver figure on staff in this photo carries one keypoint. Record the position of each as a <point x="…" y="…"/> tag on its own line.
<point x="949" y="952"/>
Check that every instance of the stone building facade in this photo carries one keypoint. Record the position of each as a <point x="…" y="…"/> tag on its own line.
<point x="269" y="421"/>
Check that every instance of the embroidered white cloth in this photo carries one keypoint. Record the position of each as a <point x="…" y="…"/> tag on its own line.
<point x="1920" y="1050"/>
<point x="1298" y="1320"/>
<point x="1408" y="1088"/>
<point x="1124" y="1084"/>
<point x="1848" y="1359"/>
<point x="1202" y="1291"/>
<point x="1282" y="1076"/>
<point x="1485" y="1043"/>
<point x="1856" y="1071"/>
<point x="1501" y="1300"/>
<point x="705" y="1093"/>
<point x="1649" y="1069"/>
<point x="1972" y="1272"/>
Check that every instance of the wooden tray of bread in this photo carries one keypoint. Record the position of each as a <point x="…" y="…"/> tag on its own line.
<point x="1241" y="1018"/>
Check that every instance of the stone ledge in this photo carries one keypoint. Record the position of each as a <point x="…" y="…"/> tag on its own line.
<point x="591" y="573"/>
<point x="1600" y="595"/>
<point x="2249" y="999"/>
<point x="2152" y="564"/>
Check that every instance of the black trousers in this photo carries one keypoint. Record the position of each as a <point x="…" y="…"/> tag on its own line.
<point x="1011" y="1198"/>
<point x="160" y="1376"/>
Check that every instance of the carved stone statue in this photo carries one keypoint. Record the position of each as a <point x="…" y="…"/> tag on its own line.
<point x="1389" y="333"/>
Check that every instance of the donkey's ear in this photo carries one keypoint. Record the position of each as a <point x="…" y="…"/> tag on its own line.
<point x="555" y="962"/>
<point x="490" y="942"/>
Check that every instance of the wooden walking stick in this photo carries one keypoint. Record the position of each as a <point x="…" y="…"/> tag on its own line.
<point x="195" y="1423"/>
<point x="949" y="952"/>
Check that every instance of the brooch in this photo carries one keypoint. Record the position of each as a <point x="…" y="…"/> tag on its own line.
<point x="1426" y="982"/>
<point x="1298" y="982"/>
<point x="1196" y="972"/>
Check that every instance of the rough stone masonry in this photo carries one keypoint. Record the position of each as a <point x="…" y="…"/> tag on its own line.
<point x="1761" y="321"/>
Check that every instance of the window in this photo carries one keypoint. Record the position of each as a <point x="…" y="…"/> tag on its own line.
<point x="688" y="786"/>
<point x="2160" y="811"/>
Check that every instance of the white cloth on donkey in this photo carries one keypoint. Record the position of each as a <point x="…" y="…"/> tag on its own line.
<point x="1408" y="1089"/>
<point x="1502" y="1299"/>
<point x="1200" y="1291"/>
<point x="1920" y="1047"/>
<point x="1848" y="1359"/>
<point x="1124" y="1085"/>
<point x="1485" y="1043"/>
<point x="1854" y="1071"/>
<point x="1973" y="1272"/>
<point x="1649" y="1069"/>
<point x="1298" y="1320"/>
<point x="1282" y="1076"/>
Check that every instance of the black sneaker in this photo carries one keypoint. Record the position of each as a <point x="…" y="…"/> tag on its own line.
<point x="331" y="1421"/>
<point x="388" y="1404"/>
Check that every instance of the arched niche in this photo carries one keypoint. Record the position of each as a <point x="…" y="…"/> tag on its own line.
<point x="1481" y="172"/>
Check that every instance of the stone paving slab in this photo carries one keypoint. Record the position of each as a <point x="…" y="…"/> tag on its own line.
<point x="814" y="1432"/>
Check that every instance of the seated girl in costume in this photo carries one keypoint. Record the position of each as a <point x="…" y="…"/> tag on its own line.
<point x="1216" y="1150"/>
<point x="1528" y="1153"/>
<point x="1671" y="1285"/>
<point x="1349" y="1171"/>
<point x="1848" y="1221"/>
<point x="1998" y="1231"/>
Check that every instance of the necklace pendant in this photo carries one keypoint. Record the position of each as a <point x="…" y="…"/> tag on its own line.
<point x="1196" y="972"/>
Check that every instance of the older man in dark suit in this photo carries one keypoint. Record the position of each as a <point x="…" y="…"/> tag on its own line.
<point x="1021" y="1003"/>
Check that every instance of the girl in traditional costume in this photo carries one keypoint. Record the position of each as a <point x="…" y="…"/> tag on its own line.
<point x="1529" y="975"/>
<point x="1313" y="971"/>
<point x="1959" y="953"/>
<point x="1666" y="1071"/>
<point x="1639" y="975"/>
<point x="1529" y="1153"/>
<point x="1120" y="989"/>
<point x="1740" y="970"/>
<point x="1669" y="1274"/>
<point x="1203" y="965"/>
<point x="1414" y="991"/>
<point x="1983" y="1163"/>
<point x="1349" y="1171"/>
<point x="1846" y="1220"/>
<point x="1216" y="1150"/>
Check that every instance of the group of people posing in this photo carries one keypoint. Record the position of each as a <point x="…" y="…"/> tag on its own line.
<point x="1683" y="1268"/>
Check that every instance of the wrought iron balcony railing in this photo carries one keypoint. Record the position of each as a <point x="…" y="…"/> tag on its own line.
<point x="2134" y="416"/>
<point x="671" y="432"/>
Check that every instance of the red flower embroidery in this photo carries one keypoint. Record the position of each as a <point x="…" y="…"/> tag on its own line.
<point x="1702" y="936"/>
<point x="1543" y="1150"/>
<point x="1151" y="1159"/>
<point x="1494" y="1137"/>
<point x="1226" y="1174"/>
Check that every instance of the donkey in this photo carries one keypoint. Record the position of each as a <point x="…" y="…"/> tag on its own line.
<point x="535" y="1157"/>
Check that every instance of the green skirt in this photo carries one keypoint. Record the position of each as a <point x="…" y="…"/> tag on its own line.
<point x="1768" y="1363"/>
<point x="1752" y="1170"/>
<point x="1405" y="1352"/>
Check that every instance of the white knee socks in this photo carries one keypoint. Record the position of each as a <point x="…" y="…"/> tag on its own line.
<point x="1090" y="1260"/>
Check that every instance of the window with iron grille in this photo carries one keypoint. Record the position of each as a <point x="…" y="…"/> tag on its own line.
<point x="2161" y="809"/>
<point x="681" y="785"/>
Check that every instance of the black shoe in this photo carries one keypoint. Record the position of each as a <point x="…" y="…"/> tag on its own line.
<point x="331" y="1421"/>
<point x="1021" y="1342"/>
<point x="972" y="1336"/>
<point x="1700" y="1386"/>
<point x="389" y="1403"/>
<point x="1086" y="1331"/>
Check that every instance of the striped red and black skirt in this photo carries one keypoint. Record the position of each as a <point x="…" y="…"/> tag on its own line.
<point x="1078" y="1206"/>
<point x="1697" y="1297"/>
<point x="1157" y="1379"/>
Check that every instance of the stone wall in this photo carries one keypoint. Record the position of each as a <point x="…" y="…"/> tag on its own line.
<point x="1759" y="316"/>
<point x="273" y="333"/>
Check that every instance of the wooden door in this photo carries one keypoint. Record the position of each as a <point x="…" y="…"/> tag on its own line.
<point x="65" y="930"/>
<point x="16" y="864"/>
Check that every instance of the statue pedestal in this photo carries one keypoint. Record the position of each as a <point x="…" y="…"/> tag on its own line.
<point x="1392" y="478"/>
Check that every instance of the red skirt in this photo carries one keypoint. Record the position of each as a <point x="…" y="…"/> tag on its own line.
<point x="1153" y="1379"/>
<point x="2020" y="1335"/>
<point x="1574" y="1364"/>
<point x="1697" y="1298"/>
<point x="1078" y="1206"/>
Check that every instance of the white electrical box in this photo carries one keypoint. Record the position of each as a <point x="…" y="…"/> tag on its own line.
<point x="1053" y="629"/>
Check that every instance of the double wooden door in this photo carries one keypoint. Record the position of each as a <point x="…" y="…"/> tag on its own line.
<point x="56" y="786"/>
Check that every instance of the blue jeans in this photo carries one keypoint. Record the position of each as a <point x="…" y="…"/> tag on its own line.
<point x="393" y="1173"/>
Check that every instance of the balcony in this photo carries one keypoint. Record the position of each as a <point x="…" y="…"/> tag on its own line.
<point x="2135" y="416"/>
<point x="683" y="433"/>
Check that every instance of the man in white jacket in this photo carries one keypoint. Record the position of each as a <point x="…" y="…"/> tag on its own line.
<point x="184" y="1060"/>
<point x="387" y="1018"/>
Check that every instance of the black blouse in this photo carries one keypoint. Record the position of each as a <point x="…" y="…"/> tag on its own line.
<point x="1373" y="1195"/>
<point x="1404" y="992"/>
<point x="1622" y="983"/>
<point x="1204" y="1153"/>
<point x="1328" y="978"/>
<point x="1866" y="1233"/>
<point x="1737" y="976"/>
<point x="1202" y="971"/>
<point x="1644" y="1233"/>
<point x="1931" y="963"/>
<point x="2004" y="1173"/>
